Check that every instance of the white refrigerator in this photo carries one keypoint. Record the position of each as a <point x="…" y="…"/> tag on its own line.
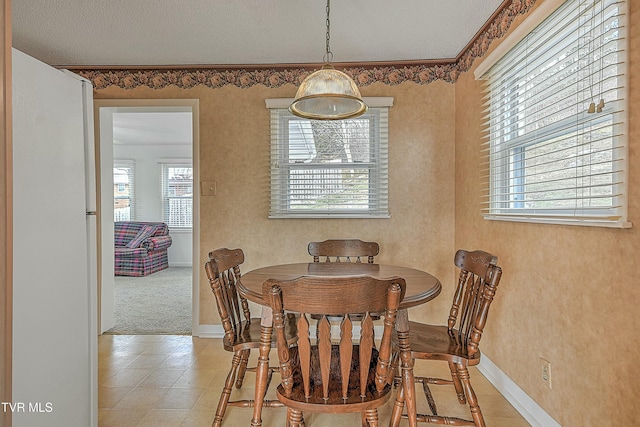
<point x="54" y="235"/>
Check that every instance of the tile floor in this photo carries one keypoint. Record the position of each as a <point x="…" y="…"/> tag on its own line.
<point x="175" y="381"/>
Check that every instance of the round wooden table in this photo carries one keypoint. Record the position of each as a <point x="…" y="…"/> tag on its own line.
<point x="421" y="287"/>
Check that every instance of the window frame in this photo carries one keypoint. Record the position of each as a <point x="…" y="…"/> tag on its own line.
<point x="280" y="196"/>
<point x="131" y="165"/>
<point x="165" y="198"/>
<point x="508" y="171"/>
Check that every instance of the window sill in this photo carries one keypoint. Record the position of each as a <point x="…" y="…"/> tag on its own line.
<point x="325" y="216"/>
<point x="559" y="221"/>
<point x="181" y="230"/>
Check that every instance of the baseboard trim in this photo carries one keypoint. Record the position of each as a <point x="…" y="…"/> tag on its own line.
<point x="208" y="331"/>
<point x="525" y="405"/>
<point x="181" y="264"/>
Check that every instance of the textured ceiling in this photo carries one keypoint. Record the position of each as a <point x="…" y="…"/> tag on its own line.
<point x="223" y="32"/>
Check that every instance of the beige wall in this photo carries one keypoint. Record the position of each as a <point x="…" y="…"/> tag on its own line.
<point x="234" y="152"/>
<point x="567" y="293"/>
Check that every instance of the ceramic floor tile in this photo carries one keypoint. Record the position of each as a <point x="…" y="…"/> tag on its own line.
<point x="180" y="398"/>
<point x="127" y="377"/>
<point x="148" y="361"/>
<point x="180" y="359"/>
<point x="162" y="378"/>
<point x="208" y="401"/>
<point x="108" y="397"/>
<point x="120" y="418"/>
<point x="198" y="419"/>
<point x="193" y="377"/>
<point x="163" y="418"/>
<point x="166" y="381"/>
<point x="142" y="398"/>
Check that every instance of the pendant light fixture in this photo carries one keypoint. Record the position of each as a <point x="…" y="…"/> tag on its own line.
<point x="328" y="94"/>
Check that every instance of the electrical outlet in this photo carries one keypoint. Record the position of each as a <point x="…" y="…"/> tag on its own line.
<point x="545" y="371"/>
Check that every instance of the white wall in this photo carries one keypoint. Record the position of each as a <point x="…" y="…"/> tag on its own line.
<point x="148" y="190"/>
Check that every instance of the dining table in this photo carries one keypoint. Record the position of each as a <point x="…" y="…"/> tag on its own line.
<point x="421" y="287"/>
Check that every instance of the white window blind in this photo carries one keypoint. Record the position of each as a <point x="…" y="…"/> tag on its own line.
<point x="557" y="120"/>
<point x="124" y="190"/>
<point x="329" y="168"/>
<point x="177" y="194"/>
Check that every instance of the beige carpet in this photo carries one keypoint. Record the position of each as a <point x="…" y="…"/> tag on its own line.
<point x="156" y="304"/>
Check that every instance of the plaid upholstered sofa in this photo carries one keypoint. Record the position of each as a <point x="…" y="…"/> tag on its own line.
<point x="141" y="247"/>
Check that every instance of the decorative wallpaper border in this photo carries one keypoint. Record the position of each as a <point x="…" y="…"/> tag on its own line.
<point x="425" y="73"/>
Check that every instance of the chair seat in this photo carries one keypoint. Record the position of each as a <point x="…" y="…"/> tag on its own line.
<point x="316" y="403"/>
<point x="248" y="335"/>
<point x="434" y="342"/>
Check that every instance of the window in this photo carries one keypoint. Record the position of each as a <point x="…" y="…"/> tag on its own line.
<point x="123" y="191"/>
<point x="329" y="168"/>
<point x="556" y="150"/>
<point x="177" y="195"/>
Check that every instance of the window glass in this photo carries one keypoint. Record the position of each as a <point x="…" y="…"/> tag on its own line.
<point x="177" y="195"/>
<point x="123" y="191"/>
<point x="329" y="168"/>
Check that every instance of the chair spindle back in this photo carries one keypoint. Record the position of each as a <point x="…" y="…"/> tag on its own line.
<point x="477" y="283"/>
<point x="347" y="250"/>
<point x="325" y="359"/>
<point x="223" y="271"/>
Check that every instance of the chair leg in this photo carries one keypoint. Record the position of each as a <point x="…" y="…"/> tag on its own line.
<point x="457" y="384"/>
<point x="476" y="413"/>
<point x="242" y="368"/>
<point x="408" y="379"/>
<point x="294" y="418"/>
<point x="370" y="418"/>
<point x="226" y="391"/>
<point x="398" y="406"/>
<point x="262" y="370"/>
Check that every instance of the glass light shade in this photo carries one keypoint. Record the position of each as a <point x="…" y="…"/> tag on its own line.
<point x="328" y="94"/>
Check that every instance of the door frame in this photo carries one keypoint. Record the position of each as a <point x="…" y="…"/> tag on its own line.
<point x="6" y="214"/>
<point x="103" y="114"/>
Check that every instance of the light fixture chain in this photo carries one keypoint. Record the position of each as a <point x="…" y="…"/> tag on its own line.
<point x="328" y="54"/>
<point x="328" y="94"/>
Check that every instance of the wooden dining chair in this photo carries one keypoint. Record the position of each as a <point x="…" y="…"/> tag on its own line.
<point x="329" y="374"/>
<point x="241" y="331"/>
<point x="457" y="343"/>
<point x="339" y="250"/>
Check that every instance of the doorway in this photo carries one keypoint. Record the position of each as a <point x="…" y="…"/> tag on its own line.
<point x="149" y="136"/>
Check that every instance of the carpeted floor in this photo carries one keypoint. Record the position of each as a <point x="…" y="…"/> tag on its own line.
<point x="156" y="304"/>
